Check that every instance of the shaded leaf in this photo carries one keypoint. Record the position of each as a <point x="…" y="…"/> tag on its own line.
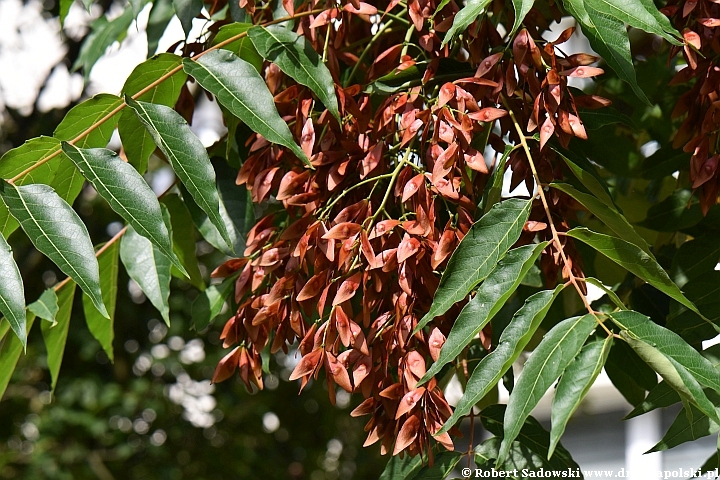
<point x="493" y="188"/>
<point x="693" y="259"/>
<point x="662" y="395"/>
<point x="521" y="8"/>
<point x="183" y="238"/>
<point x="104" y="33"/>
<point x="703" y="291"/>
<point x="629" y="373"/>
<point x="690" y="424"/>
<point x="242" y="47"/>
<point x="209" y="303"/>
<point x="101" y="327"/>
<point x="10" y="349"/>
<point x="585" y="172"/>
<point x="161" y="13"/>
<point x="186" y="11"/>
<point x="469" y="13"/>
<point x="55" y="335"/>
<point x="149" y="268"/>
<point x="676" y="212"/>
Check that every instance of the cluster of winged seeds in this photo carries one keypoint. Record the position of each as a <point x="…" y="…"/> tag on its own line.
<point x="349" y="255"/>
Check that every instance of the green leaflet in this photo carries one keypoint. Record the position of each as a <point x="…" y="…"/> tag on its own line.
<point x="611" y="295"/>
<point x="703" y="292"/>
<point x="64" y="10"/>
<point x="126" y="192"/>
<point x="209" y="303"/>
<point x="10" y="349"/>
<point x="690" y="424"/>
<point x="161" y="13"/>
<point x="639" y="14"/>
<point x="12" y="293"/>
<point x="633" y="259"/>
<point x="57" y="232"/>
<point x="521" y="8"/>
<point x="479" y="251"/>
<point x="242" y="47"/>
<point x="661" y="396"/>
<point x="186" y="11"/>
<point x="87" y="114"/>
<point x="674" y="374"/>
<point x="677" y="212"/>
<point x="296" y="57"/>
<point x="629" y="373"/>
<point x="46" y="307"/>
<point x="574" y="384"/>
<point x="493" y="189"/>
<point x="469" y="13"/>
<point x="512" y="341"/>
<point x="606" y="214"/>
<point x="529" y="450"/>
<point x="547" y="362"/>
<point x="585" y="172"/>
<point x="669" y="344"/>
<point x="55" y="335"/>
<point x="240" y="89"/>
<point x="149" y="268"/>
<point x="236" y="206"/>
<point x="608" y="37"/>
<point x="186" y="155"/>
<point x="101" y="327"/>
<point x="137" y="141"/>
<point x="184" y="237"/>
<point x="489" y="299"/>
<point x="695" y="258"/>
<point x="104" y="33"/>
<point x="713" y="462"/>
<point x="412" y="468"/>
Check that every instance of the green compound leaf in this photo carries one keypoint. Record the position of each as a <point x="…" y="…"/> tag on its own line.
<point x="101" y="327"/>
<point x="55" y="335"/>
<point x="12" y="293"/>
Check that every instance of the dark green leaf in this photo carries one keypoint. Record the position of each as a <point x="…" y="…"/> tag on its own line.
<point x="101" y="327"/>
<point x="186" y="11"/>
<point x="606" y="214"/>
<point x="629" y="373"/>
<point x="677" y="212"/>
<point x="574" y="384"/>
<point x="161" y="13"/>
<point x="405" y="468"/>
<point x="149" y="268"/>
<point x="633" y="259"/>
<point x="547" y="362"/>
<point x="703" y="292"/>
<point x="489" y="299"/>
<point x="137" y="141"/>
<point x="493" y="189"/>
<point x="184" y="237"/>
<point x="479" y="251"/>
<point x="12" y="293"/>
<point x="126" y="192"/>
<point x="57" y="232"/>
<point x="444" y="463"/>
<point x="512" y="341"/>
<point x="209" y="303"/>
<point x="104" y="33"/>
<point x="296" y="57"/>
<point x="530" y="449"/>
<point x="55" y="335"/>
<point x="186" y="155"/>
<point x="10" y="349"/>
<point x="239" y="87"/>
<point x="585" y="172"/>
<point x="693" y="259"/>
<point x="690" y="424"/>
<point x="235" y="205"/>
<point x="596" y="119"/>
<point x="661" y="396"/>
